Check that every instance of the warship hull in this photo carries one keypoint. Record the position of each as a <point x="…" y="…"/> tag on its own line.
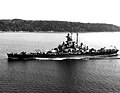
<point x="63" y="55"/>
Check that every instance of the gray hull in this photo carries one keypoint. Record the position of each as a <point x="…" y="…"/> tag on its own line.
<point x="63" y="55"/>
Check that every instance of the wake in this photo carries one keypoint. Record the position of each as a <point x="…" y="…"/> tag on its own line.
<point x="82" y="58"/>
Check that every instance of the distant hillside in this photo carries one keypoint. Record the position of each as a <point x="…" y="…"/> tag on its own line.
<point x="55" y="26"/>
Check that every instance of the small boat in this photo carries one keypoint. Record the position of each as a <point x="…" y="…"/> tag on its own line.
<point x="67" y="49"/>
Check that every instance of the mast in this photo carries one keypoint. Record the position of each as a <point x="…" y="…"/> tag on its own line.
<point x="69" y="37"/>
<point x="71" y="34"/>
<point x="77" y="38"/>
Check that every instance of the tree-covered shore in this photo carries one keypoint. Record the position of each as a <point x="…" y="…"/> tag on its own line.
<point x="54" y="26"/>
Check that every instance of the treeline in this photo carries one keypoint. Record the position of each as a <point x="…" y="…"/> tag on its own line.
<point x="55" y="26"/>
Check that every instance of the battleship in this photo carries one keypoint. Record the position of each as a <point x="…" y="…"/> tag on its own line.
<point x="69" y="48"/>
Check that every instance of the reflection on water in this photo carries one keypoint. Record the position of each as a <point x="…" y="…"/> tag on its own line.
<point x="69" y="76"/>
<point x="93" y="76"/>
<point x="48" y="76"/>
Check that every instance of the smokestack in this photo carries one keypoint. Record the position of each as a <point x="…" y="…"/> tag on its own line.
<point x="77" y="39"/>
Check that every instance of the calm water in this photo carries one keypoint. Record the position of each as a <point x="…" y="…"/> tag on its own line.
<point x="45" y="76"/>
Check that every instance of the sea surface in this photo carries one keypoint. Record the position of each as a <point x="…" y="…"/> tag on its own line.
<point x="98" y="75"/>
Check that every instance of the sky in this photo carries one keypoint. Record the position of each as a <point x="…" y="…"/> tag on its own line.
<point x="85" y="11"/>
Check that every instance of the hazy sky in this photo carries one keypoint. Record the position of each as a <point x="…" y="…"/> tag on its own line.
<point x="92" y="11"/>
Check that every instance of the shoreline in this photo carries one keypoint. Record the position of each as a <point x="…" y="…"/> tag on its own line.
<point x="19" y="25"/>
<point x="55" y="32"/>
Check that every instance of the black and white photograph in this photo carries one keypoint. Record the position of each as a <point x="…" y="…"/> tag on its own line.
<point x="59" y="46"/>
